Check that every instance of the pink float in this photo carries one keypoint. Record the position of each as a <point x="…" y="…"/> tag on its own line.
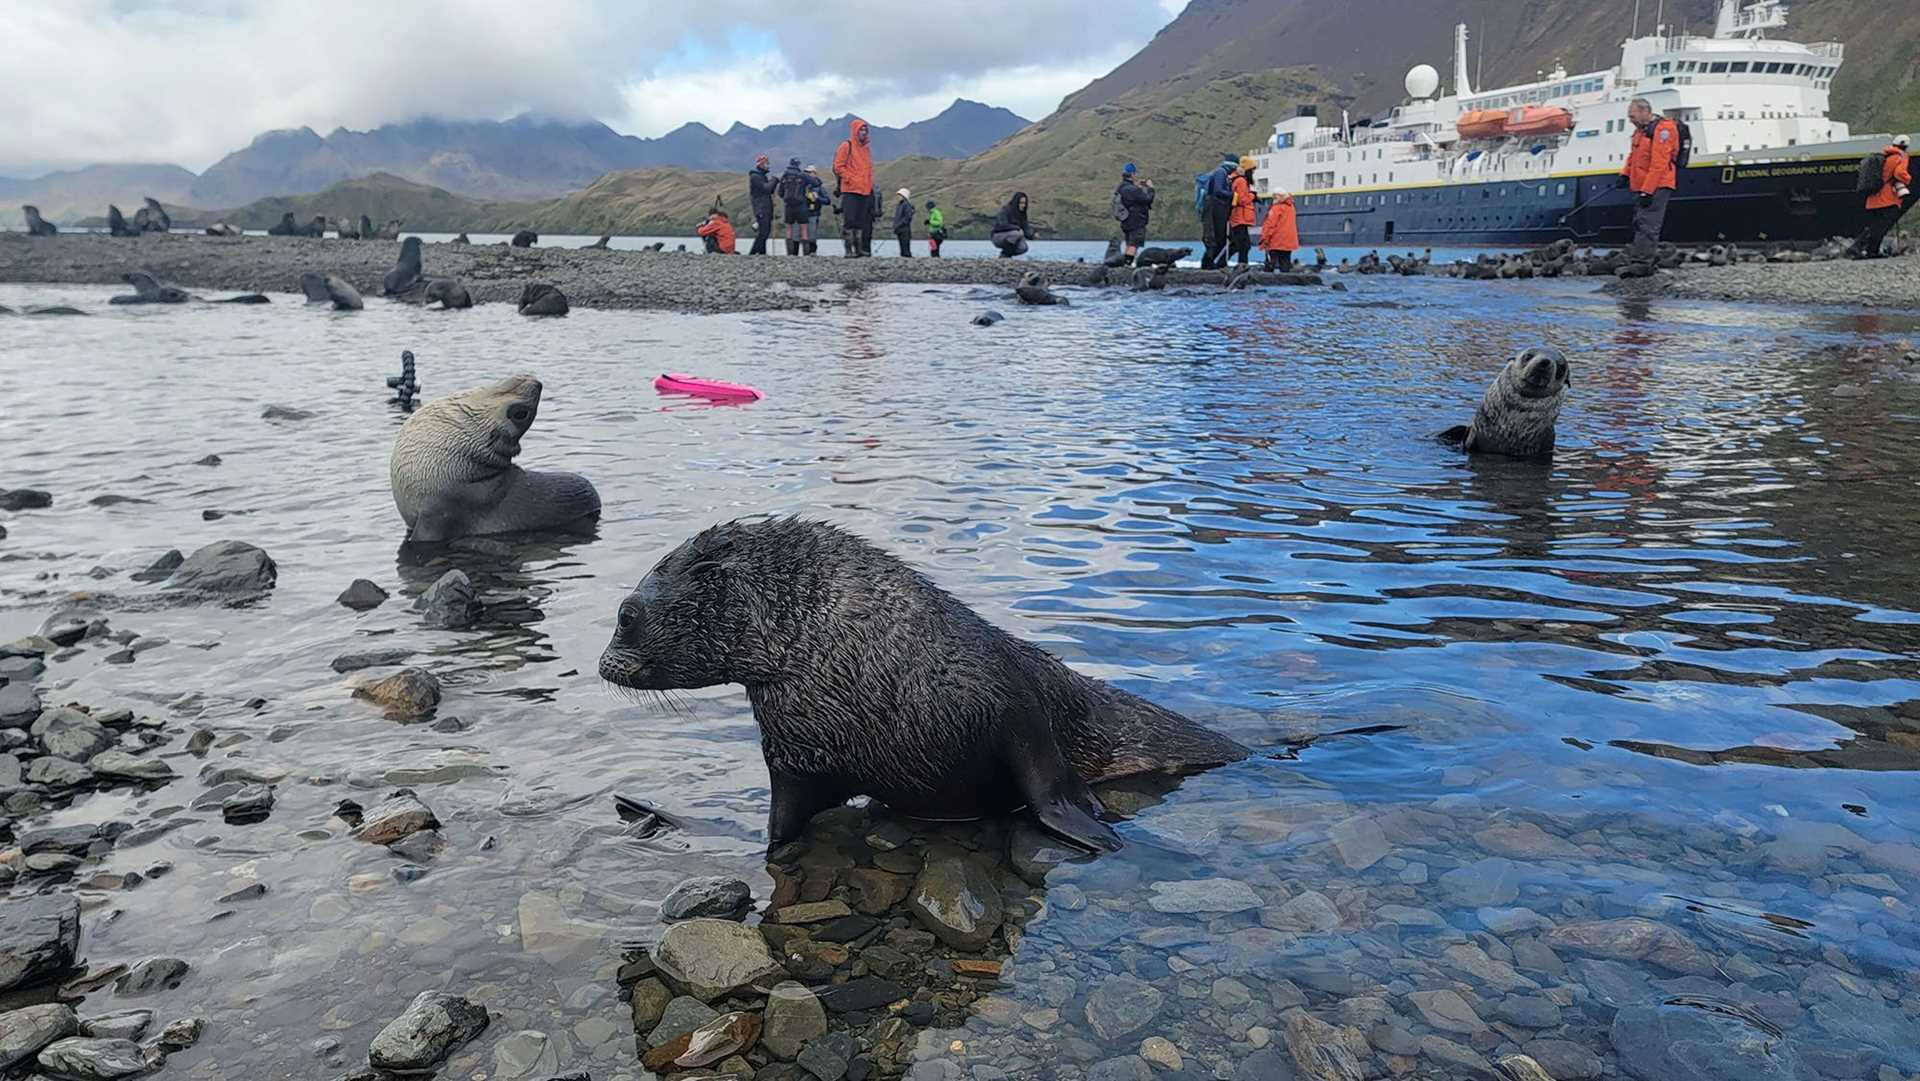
<point x="680" y="383"/>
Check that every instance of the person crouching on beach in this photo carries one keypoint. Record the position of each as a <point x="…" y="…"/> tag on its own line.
<point x="717" y="232"/>
<point x="1010" y="228"/>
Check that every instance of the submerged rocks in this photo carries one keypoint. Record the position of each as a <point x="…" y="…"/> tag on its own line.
<point x="1205" y="895"/>
<point x="152" y="974"/>
<point x="161" y="569"/>
<point x="448" y="603"/>
<point x="1122" y="1006"/>
<point x="408" y="695"/>
<point x="708" y="958"/>
<point x="25" y="1031"/>
<point x="251" y="804"/>
<point x="433" y="1025"/>
<point x="794" y="1017"/>
<point x="1701" y="1040"/>
<point x="717" y="897"/>
<point x="957" y="900"/>
<point x="373" y="658"/>
<point x="226" y="567"/>
<point x="38" y="937"/>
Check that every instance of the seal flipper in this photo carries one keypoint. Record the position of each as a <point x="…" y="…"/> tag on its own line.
<point x="1456" y="435"/>
<point x="796" y="800"/>
<point x="1059" y="798"/>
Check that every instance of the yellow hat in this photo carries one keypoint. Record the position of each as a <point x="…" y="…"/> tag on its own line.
<point x="1246" y="162"/>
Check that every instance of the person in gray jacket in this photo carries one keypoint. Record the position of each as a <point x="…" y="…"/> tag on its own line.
<point x="903" y="223"/>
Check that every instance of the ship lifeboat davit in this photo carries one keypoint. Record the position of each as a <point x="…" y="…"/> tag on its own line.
<point x="1482" y="124"/>
<point x="1540" y="120"/>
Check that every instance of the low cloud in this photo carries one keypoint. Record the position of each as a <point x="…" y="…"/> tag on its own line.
<point x="186" y="81"/>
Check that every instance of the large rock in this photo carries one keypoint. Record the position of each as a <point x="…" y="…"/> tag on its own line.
<point x="707" y="958"/>
<point x="794" y="1018"/>
<point x="25" y="1031"/>
<point x="1325" y="1052"/>
<point x="408" y="695"/>
<point x="1122" y="1006"/>
<point x="84" y="1058"/>
<point x="361" y="596"/>
<point x="226" y="567"/>
<point x="1209" y="896"/>
<point x="38" y="937"/>
<point x="447" y="603"/>
<point x="57" y="772"/>
<point x="957" y="900"/>
<point x="433" y="1025"/>
<point x="152" y="974"/>
<point x="401" y="814"/>
<point x="121" y="765"/>
<point x="1633" y="938"/>
<point x="71" y="734"/>
<point x="1444" y="1009"/>
<point x="716" y="897"/>
<point x="1701" y="1040"/>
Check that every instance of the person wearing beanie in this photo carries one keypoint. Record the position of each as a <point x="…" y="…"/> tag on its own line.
<point x="817" y="202"/>
<point x="1240" y="213"/>
<point x="1132" y="205"/>
<point x="903" y="223"/>
<point x="760" y="185"/>
<point x="1890" y="200"/>
<point x="1218" y="207"/>
<point x="797" y="207"/>
<point x="936" y="229"/>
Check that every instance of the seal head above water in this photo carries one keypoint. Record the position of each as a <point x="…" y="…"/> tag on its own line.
<point x="453" y="473"/>
<point x="867" y="679"/>
<point x="1517" y="416"/>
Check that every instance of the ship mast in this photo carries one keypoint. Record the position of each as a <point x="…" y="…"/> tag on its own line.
<point x="1461" y="86"/>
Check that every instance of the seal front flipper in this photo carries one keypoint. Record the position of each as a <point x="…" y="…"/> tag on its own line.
<point x="796" y="800"/>
<point x="1455" y="436"/>
<point x="1061" y="801"/>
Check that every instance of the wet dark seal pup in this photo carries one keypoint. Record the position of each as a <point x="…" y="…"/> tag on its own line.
<point x="1033" y="290"/>
<point x="867" y="679"/>
<point x="148" y="291"/>
<point x="540" y="298"/>
<point x="525" y="238"/>
<point x="331" y="289"/>
<point x="406" y="272"/>
<point x="449" y="292"/>
<point x="453" y="473"/>
<point x="1516" y="417"/>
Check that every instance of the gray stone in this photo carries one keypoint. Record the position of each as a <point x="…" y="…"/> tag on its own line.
<point x="1633" y="938"/>
<point x="1511" y="921"/>
<point x="448" y="603"/>
<point x="1268" y="1065"/>
<point x="84" y="1058"/>
<point x="152" y="974"/>
<point x="1491" y="881"/>
<point x="371" y="658"/>
<point x="19" y="703"/>
<point x="957" y="900"/>
<point x="21" y="669"/>
<point x="793" y="1017"/>
<point x="1565" y="1060"/>
<point x="161" y="569"/>
<point x="1310" y="911"/>
<point x="11" y="774"/>
<point x="71" y="734"/>
<point x="1527" y="1011"/>
<point x="1122" y="1006"/>
<point x="25" y="1031"/>
<point x="861" y="993"/>
<point x="1324" y="1052"/>
<point x="433" y="1025"/>
<point x="1204" y="895"/>
<point x="251" y="804"/>
<point x="1124" y="1068"/>
<point x="57" y="772"/>
<point x="681" y="1016"/>
<point x="1446" y="1010"/>
<point x="1034" y="853"/>
<point x="38" y="937"/>
<point x="399" y="815"/>
<point x="1701" y="1043"/>
<point x="129" y="767"/>
<point x="650" y="998"/>
<point x="25" y="499"/>
<point x="1522" y="1068"/>
<point x="827" y="1058"/>
<point x="718" y="897"/>
<point x="407" y="695"/>
<point x="1461" y="1062"/>
<point x="182" y="1034"/>
<point x="362" y="596"/>
<point x="121" y="1024"/>
<point x="226" y="567"/>
<point x="1359" y="841"/>
<point x="708" y="958"/>
<point x="74" y="840"/>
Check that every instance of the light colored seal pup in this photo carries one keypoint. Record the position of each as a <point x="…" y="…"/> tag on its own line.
<point x="453" y="473"/>
<point x="1516" y="417"/>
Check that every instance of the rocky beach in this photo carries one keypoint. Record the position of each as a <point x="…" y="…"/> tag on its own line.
<point x="1872" y="283"/>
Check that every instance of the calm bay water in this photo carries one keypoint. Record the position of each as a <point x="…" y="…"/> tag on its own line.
<point x="1669" y="677"/>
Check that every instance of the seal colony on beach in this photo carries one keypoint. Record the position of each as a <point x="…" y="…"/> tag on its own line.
<point x="453" y="474"/>
<point x="1517" y="416"/>
<point x="868" y="679"/>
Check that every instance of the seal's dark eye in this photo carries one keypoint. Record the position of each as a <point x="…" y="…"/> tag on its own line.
<point x="519" y="414"/>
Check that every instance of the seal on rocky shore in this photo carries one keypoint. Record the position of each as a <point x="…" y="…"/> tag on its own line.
<point x="157" y="219"/>
<point x="37" y="225"/>
<point x="525" y="238"/>
<point x="329" y="288"/>
<point x="148" y="291"/>
<point x="461" y="239"/>
<point x="1517" y="415"/>
<point x="540" y="298"/>
<point x="450" y="294"/>
<point x="453" y="473"/>
<point x="406" y="272"/>
<point x="605" y="242"/>
<point x="867" y="679"/>
<point x="1161" y="256"/>
<point x="117" y="223"/>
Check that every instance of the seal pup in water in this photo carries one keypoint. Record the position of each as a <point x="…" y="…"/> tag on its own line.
<point x="867" y="679"/>
<point x="1033" y="290"/>
<point x="148" y="291"/>
<point x="453" y="473"/>
<point x="540" y="298"/>
<point x="406" y="272"/>
<point x="330" y="289"/>
<point x="1517" y="415"/>
<point x="449" y="292"/>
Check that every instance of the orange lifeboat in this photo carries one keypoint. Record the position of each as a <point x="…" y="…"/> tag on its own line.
<point x="1482" y="124"/>
<point x="1540" y="120"/>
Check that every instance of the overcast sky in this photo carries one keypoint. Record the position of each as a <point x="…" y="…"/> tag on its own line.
<point x="186" y="81"/>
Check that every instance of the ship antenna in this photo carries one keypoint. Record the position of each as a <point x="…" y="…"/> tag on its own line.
<point x="1636" y="18"/>
<point x="1480" y="66"/>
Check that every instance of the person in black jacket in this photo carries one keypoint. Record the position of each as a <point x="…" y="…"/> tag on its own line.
<point x="1135" y="195"/>
<point x="760" y="193"/>
<point x="1010" y="229"/>
<point x="795" y="190"/>
<point x="903" y="223"/>
<point x="1219" y="207"/>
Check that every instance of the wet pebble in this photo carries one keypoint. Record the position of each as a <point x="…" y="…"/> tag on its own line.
<point x="680" y="1016"/>
<point x="1122" y="1006"/>
<point x="226" y="567"/>
<point x="182" y="1034"/>
<point x="827" y="1058"/>
<point x="371" y="658"/>
<point x="957" y="900"/>
<point x="448" y="603"/>
<point x="408" y="695"/>
<point x="433" y="1025"/>
<point x="362" y="596"/>
<point x="399" y="815"/>
<point x="252" y="803"/>
<point x="717" y="897"/>
<point x="152" y="974"/>
<point x="38" y="937"/>
<point x="793" y="1018"/>
<point x="1206" y="895"/>
<point x="120" y="765"/>
<point x="161" y="569"/>
<point x="707" y="958"/>
<point x="25" y="499"/>
<point x="121" y="1024"/>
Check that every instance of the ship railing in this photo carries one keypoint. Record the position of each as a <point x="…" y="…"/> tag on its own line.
<point x="1831" y="50"/>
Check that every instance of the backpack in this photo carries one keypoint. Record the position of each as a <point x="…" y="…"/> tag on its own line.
<point x="1119" y="204"/>
<point x="1685" y="154"/>
<point x="1202" y="183"/>
<point x="1873" y="173"/>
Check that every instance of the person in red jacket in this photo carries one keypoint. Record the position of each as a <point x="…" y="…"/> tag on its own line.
<point x="1885" y="206"/>
<point x="1280" y="233"/>
<point x="1240" y="213"/>
<point x="1651" y="170"/>
<point x="717" y="231"/>
<point x="853" y="173"/>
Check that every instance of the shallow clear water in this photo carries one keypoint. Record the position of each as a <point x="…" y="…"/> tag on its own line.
<point x="1670" y="675"/>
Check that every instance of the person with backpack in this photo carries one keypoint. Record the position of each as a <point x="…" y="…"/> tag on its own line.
<point x="1218" y="206"/>
<point x="717" y="233"/>
<point x="796" y="209"/>
<point x="853" y="184"/>
<point x="936" y="229"/>
<point x="1132" y="206"/>
<point x="1240" y="214"/>
<point x="1887" y="183"/>
<point x="1652" y="170"/>
<point x="903" y="223"/>
<point x="760" y="197"/>
<point x="817" y="201"/>
<point x="1280" y="232"/>
<point x="1010" y="228"/>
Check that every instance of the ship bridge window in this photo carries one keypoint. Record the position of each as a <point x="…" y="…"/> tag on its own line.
<point x="1719" y="67"/>
<point x="1739" y="66"/>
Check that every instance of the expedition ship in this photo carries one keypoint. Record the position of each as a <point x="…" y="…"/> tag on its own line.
<point x="1535" y="163"/>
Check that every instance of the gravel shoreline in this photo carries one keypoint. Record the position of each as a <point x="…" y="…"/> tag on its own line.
<point x="675" y="281"/>
<point x="1877" y="283"/>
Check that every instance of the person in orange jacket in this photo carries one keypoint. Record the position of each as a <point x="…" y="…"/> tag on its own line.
<point x="1280" y="233"/>
<point x="1885" y="206"/>
<point x="1651" y="170"/>
<point x="717" y="231"/>
<point x="1240" y="213"/>
<point x="853" y="177"/>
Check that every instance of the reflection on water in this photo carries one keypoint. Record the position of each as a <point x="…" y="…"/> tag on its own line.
<point x="1628" y="738"/>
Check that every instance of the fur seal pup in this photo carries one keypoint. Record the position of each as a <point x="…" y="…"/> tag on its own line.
<point x="1516" y="417"/>
<point x="1161" y="256"/>
<point x="453" y="473"/>
<point x="1033" y="290"/>
<point x="37" y="225"/>
<point x="450" y="294"/>
<point x="868" y="679"/>
<point x="1150" y="277"/>
<point x="461" y="239"/>
<point x="286" y="226"/>
<point x="331" y="289"/>
<point x="987" y="318"/>
<point x="406" y="272"/>
<point x="148" y="291"/>
<point x="525" y="238"/>
<point x="540" y="298"/>
<point x="117" y="223"/>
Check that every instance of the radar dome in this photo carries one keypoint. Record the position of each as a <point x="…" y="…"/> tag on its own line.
<point x="1422" y="81"/>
